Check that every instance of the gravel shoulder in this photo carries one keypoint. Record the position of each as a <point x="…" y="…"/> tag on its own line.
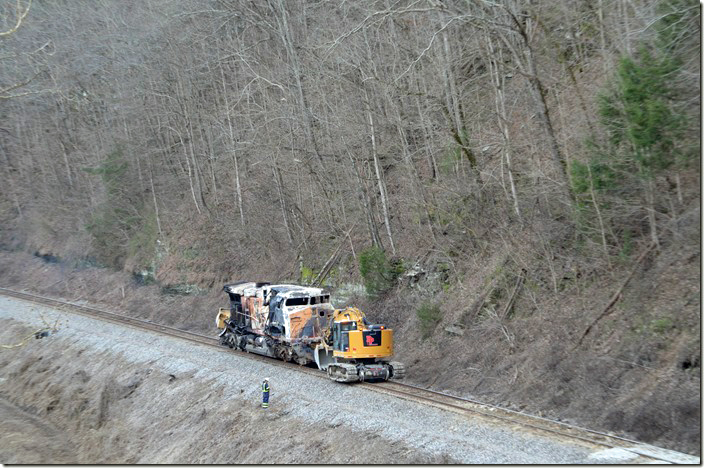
<point x="119" y="395"/>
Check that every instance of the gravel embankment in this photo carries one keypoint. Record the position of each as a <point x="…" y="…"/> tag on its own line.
<point x="145" y="398"/>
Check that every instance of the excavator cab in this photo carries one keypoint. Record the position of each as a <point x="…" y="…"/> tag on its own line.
<point x="355" y="350"/>
<point x="341" y="335"/>
<point x="354" y="338"/>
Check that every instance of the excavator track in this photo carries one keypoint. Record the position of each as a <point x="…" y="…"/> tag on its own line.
<point x="398" y="370"/>
<point x="343" y="372"/>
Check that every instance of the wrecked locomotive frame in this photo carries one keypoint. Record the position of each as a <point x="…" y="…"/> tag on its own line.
<point x="299" y="324"/>
<point x="284" y="321"/>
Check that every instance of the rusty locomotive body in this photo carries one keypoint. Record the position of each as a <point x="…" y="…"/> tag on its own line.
<point x="285" y="321"/>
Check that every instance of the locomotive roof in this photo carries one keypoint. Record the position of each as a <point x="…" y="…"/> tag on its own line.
<point x="247" y="287"/>
<point x="239" y="286"/>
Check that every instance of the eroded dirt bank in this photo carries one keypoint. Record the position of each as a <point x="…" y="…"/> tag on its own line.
<point x="29" y="439"/>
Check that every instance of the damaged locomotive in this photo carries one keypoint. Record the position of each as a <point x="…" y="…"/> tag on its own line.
<point x="299" y="324"/>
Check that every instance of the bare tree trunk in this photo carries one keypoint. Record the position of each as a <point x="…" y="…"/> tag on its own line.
<point x="188" y="124"/>
<point x="128" y="138"/>
<point x="233" y="143"/>
<point x="602" y="37"/>
<point x="196" y="169"/>
<point x="497" y="73"/>
<point x="378" y="172"/>
<point x="626" y="25"/>
<point x="156" y="205"/>
<point x="454" y="110"/>
<point x="212" y="159"/>
<point x="282" y="198"/>
<point x="287" y="39"/>
<point x="6" y="167"/>
<point x="188" y="166"/>
<point x="432" y="164"/>
<point x="366" y="203"/>
<point x="64" y="150"/>
<point x="650" y="199"/>
<point x="451" y="97"/>
<point x="416" y="185"/>
<point x="538" y="93"/>
<point x="526" y="63"/>
<point x="598" y="215"/>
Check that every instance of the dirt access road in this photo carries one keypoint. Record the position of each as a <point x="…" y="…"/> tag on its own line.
<point x="100" y="393"/>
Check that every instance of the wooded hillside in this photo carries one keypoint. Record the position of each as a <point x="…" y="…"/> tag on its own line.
<point x="516" y="183"/>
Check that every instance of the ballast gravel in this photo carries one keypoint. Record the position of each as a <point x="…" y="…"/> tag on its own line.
<point x="307" y="406"/>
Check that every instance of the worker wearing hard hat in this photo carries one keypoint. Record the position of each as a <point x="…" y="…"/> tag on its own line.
<point x="265" y="393"/>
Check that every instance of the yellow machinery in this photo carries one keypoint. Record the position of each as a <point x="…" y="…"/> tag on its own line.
<point x="355" y="350"/>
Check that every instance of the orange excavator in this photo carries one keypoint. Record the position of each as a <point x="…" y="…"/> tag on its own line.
<point x="355" y="350"/>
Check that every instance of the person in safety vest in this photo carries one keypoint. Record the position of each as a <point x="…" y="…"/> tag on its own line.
<point x="265" y="393"/>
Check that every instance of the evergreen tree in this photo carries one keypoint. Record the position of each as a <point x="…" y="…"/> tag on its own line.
<point x="643" y="125"/>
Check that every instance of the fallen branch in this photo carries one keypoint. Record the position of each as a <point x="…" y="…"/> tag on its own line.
<point x="328" y="265"/>
<point x="45" y="331"/>
<point x="42" y="332"/>
<point x="334" y="258"/>
<point x="470" y="314"/>
<point x="617" y="294"/>
<point x="516" y="289"/>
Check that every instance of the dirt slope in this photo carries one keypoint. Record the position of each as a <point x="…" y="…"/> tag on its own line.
<point x="63" y="408"/>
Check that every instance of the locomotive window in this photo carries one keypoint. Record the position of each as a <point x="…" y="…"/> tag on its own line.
<point x="297" y="301"/>
<point x="320" y="299"/>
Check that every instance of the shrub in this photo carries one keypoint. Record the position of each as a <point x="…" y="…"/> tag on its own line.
<point x="378" y="272"/>
<point x="661" y="325"/>
<point x="143" y="240"/>
<point x="429" y="315"/>
<point x="307" y="275"/>
<point x="122" y="226"/>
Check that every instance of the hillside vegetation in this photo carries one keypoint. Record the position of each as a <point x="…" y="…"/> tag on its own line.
<point x="516" y="183"/>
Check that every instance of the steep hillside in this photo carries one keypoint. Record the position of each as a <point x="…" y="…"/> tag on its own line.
<point x="514" y="186"/>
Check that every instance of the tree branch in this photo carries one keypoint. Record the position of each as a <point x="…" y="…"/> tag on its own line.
<point x="20" y="16"/>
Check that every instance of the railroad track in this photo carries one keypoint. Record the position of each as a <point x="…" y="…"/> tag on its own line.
<point x="514" y="419"/>
<point x="526" y="422"/>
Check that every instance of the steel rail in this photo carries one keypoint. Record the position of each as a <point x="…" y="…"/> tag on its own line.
<point x="502" y="414"/>
<point x="405" y="391"/>
<point x="489" y="409"/>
